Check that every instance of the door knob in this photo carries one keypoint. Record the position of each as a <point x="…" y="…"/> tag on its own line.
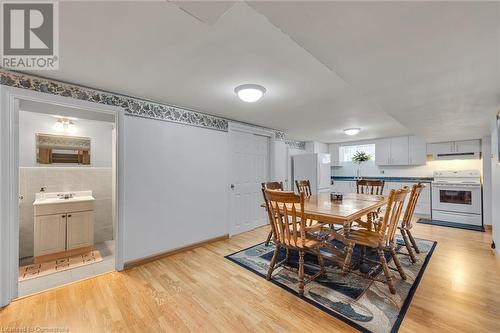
<point x="232" y="186"/>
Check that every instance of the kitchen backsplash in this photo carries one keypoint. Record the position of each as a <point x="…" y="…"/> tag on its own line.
<point x="59" y="179"/>
<point x="369" y="169"/>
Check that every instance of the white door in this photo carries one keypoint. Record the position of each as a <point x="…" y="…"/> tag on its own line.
<point x="249" y="158"/>
<point x="80" y="230"/>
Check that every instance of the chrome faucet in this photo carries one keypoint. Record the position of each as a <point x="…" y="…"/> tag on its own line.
<point x="66" y="195"/>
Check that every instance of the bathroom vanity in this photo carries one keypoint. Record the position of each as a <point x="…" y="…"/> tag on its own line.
<point x="64" y="224"/>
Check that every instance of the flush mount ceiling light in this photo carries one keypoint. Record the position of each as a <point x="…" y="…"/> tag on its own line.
<point x="250" y="92"/>
<point x="352" y="131"/>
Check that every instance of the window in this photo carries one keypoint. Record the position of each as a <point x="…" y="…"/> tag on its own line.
<point x="347" y="152"/>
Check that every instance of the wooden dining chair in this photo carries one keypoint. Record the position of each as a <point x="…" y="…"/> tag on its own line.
<point x="271" y="186"/>
<point x="289" y="224"/>
<point x="372" y="187"/>
<point x="406" y="223"/>
<point x="381" y="239"/>
<point x="303" y="186"/>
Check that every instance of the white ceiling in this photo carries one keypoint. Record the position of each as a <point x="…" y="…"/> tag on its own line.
<point x="430" y="69"/>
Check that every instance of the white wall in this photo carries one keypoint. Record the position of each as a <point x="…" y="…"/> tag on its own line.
<point x="31" y="123"/>
<point x="316" y="147"/>
<point x="175" y="186"/>
<point x="486" y="163"/>
<point x="495" y="186"/>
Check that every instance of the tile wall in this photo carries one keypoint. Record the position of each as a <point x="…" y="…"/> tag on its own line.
<point x="58" y="179"/>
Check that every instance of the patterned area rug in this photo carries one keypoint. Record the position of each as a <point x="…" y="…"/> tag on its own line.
<point x="357" y="300"/>
<point x="36" y="270"/>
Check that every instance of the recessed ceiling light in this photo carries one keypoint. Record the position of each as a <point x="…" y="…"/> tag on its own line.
<point x="250" y="92"/>
<point x="352" y="131"/>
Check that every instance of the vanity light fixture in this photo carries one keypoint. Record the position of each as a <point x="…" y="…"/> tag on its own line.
<point x="65" y="125"/>
<point x="352" y="131"/>
<point x="250" y="92"/>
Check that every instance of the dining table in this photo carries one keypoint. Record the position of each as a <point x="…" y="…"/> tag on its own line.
<point x="322" y="208"/>
<point x="327" y="211"/>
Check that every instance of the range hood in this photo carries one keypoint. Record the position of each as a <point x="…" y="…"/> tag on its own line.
<point x="455" y="150"/>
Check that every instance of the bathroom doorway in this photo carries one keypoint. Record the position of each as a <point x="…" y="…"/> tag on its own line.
<point x="66" y="221"/>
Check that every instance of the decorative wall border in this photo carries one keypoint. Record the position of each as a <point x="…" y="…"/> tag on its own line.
<point x="132" y="106"/>
<point x="296" y="144"/>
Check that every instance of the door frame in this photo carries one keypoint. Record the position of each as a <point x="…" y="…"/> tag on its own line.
<point x="9" y="181"/>
<point x="240" y="127"/>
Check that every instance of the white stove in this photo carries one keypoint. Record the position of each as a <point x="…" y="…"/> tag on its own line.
<point x="456" y="197"/>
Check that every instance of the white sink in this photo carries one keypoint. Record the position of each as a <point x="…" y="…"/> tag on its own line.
<point x="48" y="198"/>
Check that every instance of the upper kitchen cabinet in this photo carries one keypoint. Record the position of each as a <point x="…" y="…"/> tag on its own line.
<point x="400" y="151"/>
<point x="333" y="149"/>
<point x="417" y="154"/>
<point x="467" y="149"/>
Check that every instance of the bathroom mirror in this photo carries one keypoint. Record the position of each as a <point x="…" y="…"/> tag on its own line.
<point x="52" y="148"/>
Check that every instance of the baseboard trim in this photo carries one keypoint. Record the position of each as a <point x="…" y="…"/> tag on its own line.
<point x="488" y="227"/>
<point x="137" y="262"/>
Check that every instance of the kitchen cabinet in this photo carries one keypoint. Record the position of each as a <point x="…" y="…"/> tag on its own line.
<point x="392" y="151"/>
<point x="383" y="152"/>
<point x="399" y="151"/>
<point x="404" y="150"/>
<point x="467" y="146"/>
<point x="466" y="149"/>
<point x="62" y="227"/>
<point x="417" y="154"/>
<point x="333" y="149"/>
<point x="50" y="234"/>
<point x="79" y="230"/>
<point x="344" y="186"/>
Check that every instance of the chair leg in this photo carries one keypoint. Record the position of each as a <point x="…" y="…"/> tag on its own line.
<point x="347" y="259"/>
<point x="412" y="240"/>
<point x="301" y="273"/>
<point x="397" y="262"/>
<point x="269" y="237"/>
<point x="273" y="262"/>
<point x="408" y="246"/>
<point x="388" y="277"/>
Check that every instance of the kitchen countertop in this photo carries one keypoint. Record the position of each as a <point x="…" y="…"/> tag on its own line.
<point x="388" y="179"/>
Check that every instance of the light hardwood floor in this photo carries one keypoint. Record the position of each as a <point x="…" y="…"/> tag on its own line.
<point x="200" y="291"/>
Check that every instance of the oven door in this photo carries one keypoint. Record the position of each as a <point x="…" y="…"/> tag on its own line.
<point x="457" y="198"/>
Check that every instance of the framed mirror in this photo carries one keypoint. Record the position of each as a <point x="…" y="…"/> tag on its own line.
<point x="52" y="148"/>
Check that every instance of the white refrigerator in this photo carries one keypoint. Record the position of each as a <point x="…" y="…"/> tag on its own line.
<point x="313" y="167"/>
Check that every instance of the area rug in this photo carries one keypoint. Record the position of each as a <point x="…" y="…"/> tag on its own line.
<point x="355" y="299"/>
<point x="31" y="271"/>
<point x="451" y="224"/>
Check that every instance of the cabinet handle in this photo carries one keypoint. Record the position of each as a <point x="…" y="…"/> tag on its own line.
<point x="63" y="216"/>
<point x="69" y="215"/>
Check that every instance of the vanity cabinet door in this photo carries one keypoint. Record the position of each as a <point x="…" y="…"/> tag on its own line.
<point x="80" y="230"/>
<point x="50" y="234"/>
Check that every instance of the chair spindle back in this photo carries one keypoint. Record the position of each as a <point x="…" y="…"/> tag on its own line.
<point x="412" y="202"/>
<point x="273" y="186"/>
<point x="392" y="214"/>
<point x="303" y="186"/>
<point x="286" y="214"/>
<point x="370" y="186"/>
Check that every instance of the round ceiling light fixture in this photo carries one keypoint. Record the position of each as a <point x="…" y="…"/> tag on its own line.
<point x="250" y="92"/>
<point x="352" y="131"/>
